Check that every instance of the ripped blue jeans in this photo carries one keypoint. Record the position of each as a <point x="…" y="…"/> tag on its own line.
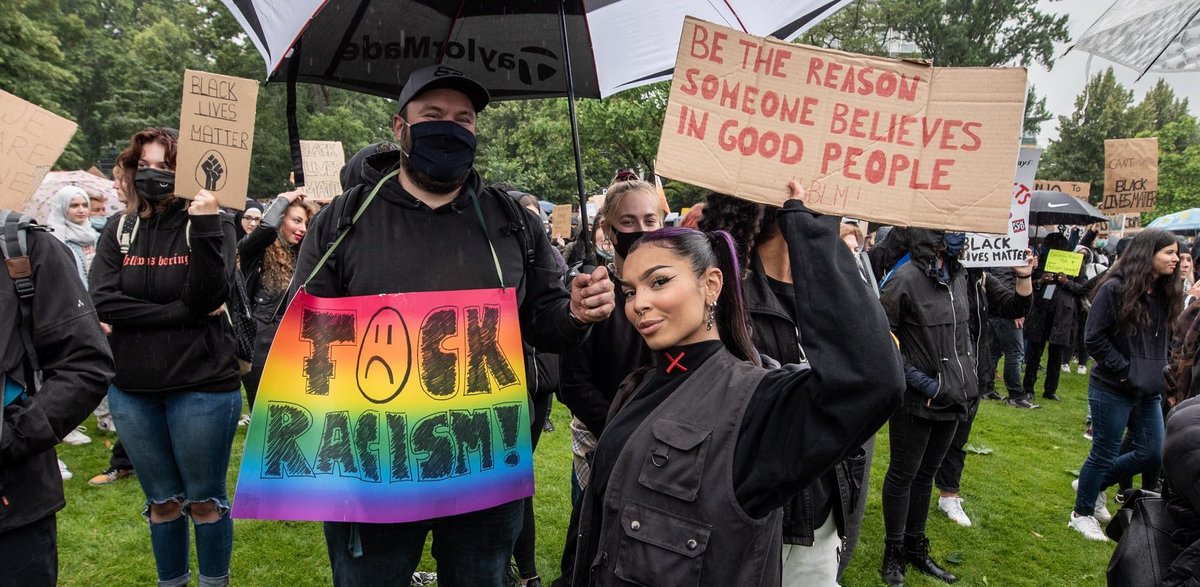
<point x="179" y="442"/>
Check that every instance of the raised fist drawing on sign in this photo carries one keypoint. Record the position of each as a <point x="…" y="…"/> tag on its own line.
<point x="213" y="171"/>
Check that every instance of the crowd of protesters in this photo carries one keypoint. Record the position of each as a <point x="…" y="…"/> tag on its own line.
<point x="750" y="356"/>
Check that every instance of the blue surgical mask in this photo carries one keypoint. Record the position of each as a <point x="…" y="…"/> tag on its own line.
<point x="954" y="241"/>
<point x="98" y="222"/>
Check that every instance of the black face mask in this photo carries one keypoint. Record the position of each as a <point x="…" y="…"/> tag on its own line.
<point x="625" y="241"/>
<point x="154" y="185"/>
<point x="442" y="150"/>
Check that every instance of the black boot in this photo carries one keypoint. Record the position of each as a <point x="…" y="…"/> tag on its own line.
<point x="892" y="570"/>
<point x="916" y="550"/>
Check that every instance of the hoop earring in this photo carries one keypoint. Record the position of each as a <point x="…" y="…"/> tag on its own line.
<point x="712" y="316"/>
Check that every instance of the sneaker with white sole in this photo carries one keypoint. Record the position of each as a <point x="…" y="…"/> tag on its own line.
<point x="62" y="470"/>
<point x="1100" y="509"/>
<point x="244" y="420"/>
<point x="1065" y="368"/>
<point x="76" y="437"/>
<point x="1082" y="370"/>
<point x="952" y="507"/>
<point x="1088" y="526"/>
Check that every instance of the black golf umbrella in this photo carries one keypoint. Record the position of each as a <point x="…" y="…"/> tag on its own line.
<point x="1052" y="208"/>
<point x="515" y="48"/>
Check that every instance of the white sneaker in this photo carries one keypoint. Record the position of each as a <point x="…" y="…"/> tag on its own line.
<point x="1082" y="370"/>
<point x="106" y="424"/>
<point x="952" y="506"/>
<point x="62" y="469"/>
<point x="1088" y="526"/>
<point x="76" y="437"/>
<point x="244" y="420"/>
<point x="1100" y="512"/>
<point x="1066" y="368"/>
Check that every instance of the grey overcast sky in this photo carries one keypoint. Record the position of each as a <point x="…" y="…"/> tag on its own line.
<point x="1063" y="83"/>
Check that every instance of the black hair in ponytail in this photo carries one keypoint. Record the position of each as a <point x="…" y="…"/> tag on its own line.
<point x="706" y="250"/>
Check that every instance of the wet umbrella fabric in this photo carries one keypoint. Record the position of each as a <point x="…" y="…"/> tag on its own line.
<point x="514" y="48"/>
<point x="1160" y="36"/>
<point x="1049" y="208"/>
<point x="1185" y="221"/>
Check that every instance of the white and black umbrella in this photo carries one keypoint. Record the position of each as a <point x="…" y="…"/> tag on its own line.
<point x="1147" y="35"/>
<point x="515" y="48"/>
<point x="1053" y="208"/>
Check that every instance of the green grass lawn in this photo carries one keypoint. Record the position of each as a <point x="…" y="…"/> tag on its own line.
<point x="1019" y="498"/>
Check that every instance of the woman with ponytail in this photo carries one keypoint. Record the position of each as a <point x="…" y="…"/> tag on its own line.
<point x="703" y="448"/>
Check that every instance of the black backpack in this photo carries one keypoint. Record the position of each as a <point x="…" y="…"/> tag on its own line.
<point x="16" y="260"/>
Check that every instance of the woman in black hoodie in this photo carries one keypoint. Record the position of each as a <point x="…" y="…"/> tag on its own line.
<point x="160" y="278"/>
<point x="1127" y="333"/>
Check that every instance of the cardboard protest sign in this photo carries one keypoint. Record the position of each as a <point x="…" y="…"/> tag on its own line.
<point x="1130" y="175"/>
<point x="1079" y="189"/>
<point x="897" y="142"/>
<point x="390" y="408"/>
<point x="216" y="135"/>
<point x="323" y="161"/>
<point x="1008" y="249"/>
<point x="1123" y="225"/>
<point x="1063" y="262"/>
<point x="31" y="139"/>
<point x="560" y="221"/>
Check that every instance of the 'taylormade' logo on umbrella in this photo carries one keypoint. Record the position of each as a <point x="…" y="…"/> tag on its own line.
<point x="530" y="63"/>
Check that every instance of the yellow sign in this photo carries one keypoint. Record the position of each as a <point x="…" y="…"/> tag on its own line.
<point x="1064" y="262"/>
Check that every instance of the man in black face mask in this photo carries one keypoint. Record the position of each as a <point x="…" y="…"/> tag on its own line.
<point x="434" y="226"/>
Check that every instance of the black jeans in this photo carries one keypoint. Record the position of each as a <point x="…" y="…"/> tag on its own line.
<point x="1005" y="340"/>
<point x="949" y="475"/>
<point x="471" y="550"/>
<point x="119" y="458"/>
<point x="526" y="549"/>
<point x="918" y="446"/>
<point x="1054" y="361"/>
<point x="29" y="555"/>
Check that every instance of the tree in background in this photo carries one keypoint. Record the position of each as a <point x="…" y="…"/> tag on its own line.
<point x="1106" y="110"/>
<point x="976" y="32"/>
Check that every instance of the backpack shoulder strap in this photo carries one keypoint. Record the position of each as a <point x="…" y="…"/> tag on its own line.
<point x="518" y="223"/>
<point x="127" y="229"/>
<point x="16" y="260"/>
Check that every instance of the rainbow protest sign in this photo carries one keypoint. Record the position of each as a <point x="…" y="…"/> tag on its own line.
<point x="390" y="408"/>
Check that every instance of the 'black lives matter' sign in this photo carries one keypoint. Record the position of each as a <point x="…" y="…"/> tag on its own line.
<point x="1130" y="175"/>
<point x="216" y="136"/>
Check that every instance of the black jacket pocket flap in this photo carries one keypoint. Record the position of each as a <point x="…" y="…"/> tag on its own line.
<point x="665" y="530"/>
<point x="680" y="435"/>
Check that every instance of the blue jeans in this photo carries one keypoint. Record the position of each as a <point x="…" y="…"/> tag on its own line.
<point x="1006" y="340"/>
<point x="472" y="550"/>
<point x="179" y="442"/>
<point x="1103" y="467"/>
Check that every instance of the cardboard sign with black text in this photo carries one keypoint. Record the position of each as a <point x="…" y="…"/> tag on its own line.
<point x="31" y="139"/>
<point x="890" y="141"/>
<point x="216" y="135"/>
<point x="1079" y="189"/>
<point x="323" y="161"/>
<point x="1130" y="175"/>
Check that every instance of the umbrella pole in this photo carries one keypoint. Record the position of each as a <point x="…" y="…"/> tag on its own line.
<point x="589" y="251"/>
<point x="292" y="122"/>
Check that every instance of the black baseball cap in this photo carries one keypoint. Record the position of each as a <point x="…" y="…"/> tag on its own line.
<point x="432" y="77"/>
